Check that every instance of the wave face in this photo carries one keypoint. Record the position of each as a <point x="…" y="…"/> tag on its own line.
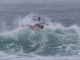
<point x="54" y="39"/>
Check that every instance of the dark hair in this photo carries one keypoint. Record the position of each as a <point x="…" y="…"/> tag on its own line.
<point x="38" y="17"/>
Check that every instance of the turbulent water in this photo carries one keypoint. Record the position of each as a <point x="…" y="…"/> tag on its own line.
<point x="60" y="40"/>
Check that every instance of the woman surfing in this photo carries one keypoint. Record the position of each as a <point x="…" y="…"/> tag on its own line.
<point x="39" y="24"/>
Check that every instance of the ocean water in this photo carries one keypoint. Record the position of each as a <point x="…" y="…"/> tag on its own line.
<point x="60" y="40"/>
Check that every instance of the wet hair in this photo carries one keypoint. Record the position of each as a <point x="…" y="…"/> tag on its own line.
<point x="39" y="18"/>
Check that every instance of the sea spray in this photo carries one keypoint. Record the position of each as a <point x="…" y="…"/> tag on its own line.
<point x="54" y="39"/>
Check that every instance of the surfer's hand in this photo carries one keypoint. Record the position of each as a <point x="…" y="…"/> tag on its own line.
<point x="45" y="23"/>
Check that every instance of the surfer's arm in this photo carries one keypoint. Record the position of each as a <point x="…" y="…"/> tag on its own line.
<point x="45" y="23"/>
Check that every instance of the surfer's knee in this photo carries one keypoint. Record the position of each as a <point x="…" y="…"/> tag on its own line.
<point x="35" y="25"/>
<point x="41" y="27"/>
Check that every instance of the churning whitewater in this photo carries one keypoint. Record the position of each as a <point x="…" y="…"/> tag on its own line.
<point x="53" y="40"/>
<point x="60" y="40"/>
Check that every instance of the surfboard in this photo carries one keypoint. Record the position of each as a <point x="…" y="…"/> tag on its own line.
<point x="31" y="27"/>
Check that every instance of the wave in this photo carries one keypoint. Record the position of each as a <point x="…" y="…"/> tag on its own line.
<point x="53" y="40"/>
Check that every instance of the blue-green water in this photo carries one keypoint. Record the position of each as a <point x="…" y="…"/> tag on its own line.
<point x="60" y="38"/>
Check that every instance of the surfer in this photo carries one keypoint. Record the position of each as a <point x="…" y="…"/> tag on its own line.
<point x="40" y="23"/>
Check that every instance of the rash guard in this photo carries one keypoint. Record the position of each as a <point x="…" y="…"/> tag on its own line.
<point x="40" y="22"/>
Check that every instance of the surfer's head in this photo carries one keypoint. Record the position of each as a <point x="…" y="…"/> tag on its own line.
<point x="39" y="18"/>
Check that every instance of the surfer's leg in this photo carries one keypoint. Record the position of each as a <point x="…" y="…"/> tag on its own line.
<point x="41" y="27"/>
<point x="36" y="25"/>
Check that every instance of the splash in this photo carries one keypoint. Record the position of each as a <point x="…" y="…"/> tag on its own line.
<point x="53" y="40"/>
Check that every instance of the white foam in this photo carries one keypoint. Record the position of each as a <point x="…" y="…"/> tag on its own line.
<point x="52" y="26"/>
<point x="4" y="56"/>
<point x="24" y="22"/>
